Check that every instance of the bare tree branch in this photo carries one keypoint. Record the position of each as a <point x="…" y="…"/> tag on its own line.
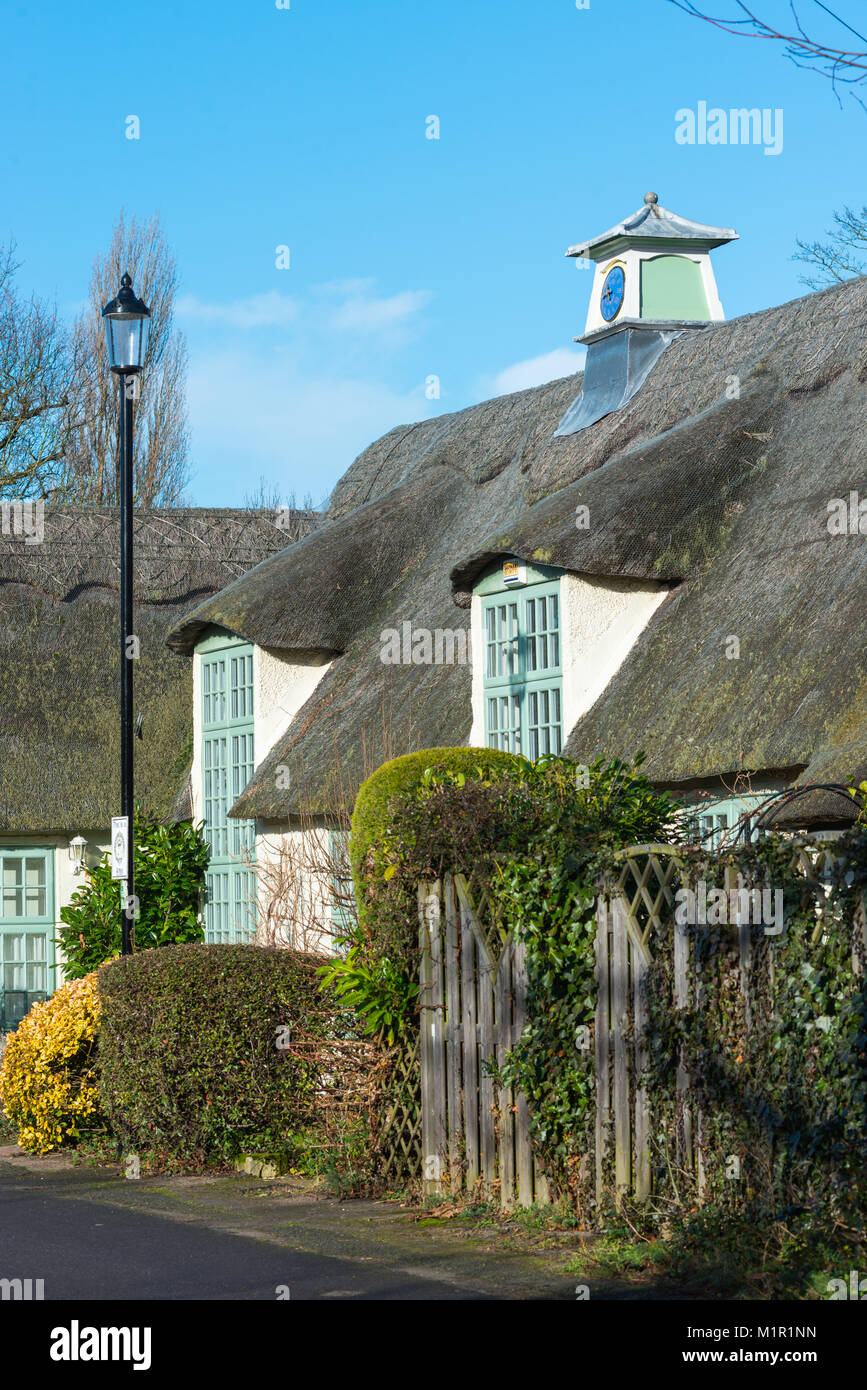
<point x="846" y="66"/>
<point x="836" y="259"/>
<point x="35" y="414"/>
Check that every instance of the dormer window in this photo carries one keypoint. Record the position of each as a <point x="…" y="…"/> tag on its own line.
<point x="523" y="682"/>
<point x="546" y="643"/>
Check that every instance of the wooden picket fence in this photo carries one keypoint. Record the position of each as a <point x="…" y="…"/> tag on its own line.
<point x="473" y="1010"/>
<point x="475" y="1133"/>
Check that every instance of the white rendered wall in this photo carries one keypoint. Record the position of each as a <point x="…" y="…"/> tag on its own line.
<point x="601" y="620"/>
<point x="290" y="864"/>
<point x="293" y="867"/>
<point x="283" y="681"/>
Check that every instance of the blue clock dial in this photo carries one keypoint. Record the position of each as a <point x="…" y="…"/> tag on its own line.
<point x="612" y="293"/>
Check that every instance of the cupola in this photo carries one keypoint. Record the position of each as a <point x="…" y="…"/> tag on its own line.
<point x="653" y="280"/>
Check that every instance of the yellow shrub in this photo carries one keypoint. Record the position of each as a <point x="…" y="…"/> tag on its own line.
<point x="48" y="1082"/>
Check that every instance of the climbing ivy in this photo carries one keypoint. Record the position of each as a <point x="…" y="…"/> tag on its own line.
<point x="777" y="1073"/>
<point x="534" y="837"/>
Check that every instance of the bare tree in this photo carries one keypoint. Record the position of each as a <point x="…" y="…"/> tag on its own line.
<point x="293" y="521"/>
<point x="161" y="469"/>
<point x="842" y="66"/>
<point x="836" y="259"/>
<point x="269" y="497"/>
<point x="35" y="413"/>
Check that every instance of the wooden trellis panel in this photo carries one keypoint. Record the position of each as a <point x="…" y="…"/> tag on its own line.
<point x="639" y="908"/>
<point x="473" y="1010"/>
<point x="398" y="1139"/>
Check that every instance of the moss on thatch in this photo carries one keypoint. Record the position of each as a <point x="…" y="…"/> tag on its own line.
<point x="713" y="479"/>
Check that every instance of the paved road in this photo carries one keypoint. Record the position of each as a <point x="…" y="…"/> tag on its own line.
<point x="85" y="1250"/>
<point x="90" y="1234"/>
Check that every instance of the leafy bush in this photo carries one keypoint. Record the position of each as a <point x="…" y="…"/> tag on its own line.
<point x="170" y="863"/>
<point x="371" y="817"/>
<point x="533" y="839"/>
<point x="477" y="817"/>
<point x="381" y="993"/>
<point x="193" y="1067"/>
<point x="48" y="1084"/>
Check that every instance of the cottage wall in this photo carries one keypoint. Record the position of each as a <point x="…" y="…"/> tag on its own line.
<point x="294" y="870"/>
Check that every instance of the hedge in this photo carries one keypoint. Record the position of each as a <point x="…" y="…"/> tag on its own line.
<point x="372" y="816"/>
<point x="190" y="1066"/>
<point x="47" y="1076"/>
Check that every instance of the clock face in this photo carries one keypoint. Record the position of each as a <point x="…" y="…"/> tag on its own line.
<point x="612" y="293"/>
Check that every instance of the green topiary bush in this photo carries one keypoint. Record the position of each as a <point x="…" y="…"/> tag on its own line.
<point x="371" y="817"/>
<point x="193" y="1067"/>
<point x="376" y="972"/>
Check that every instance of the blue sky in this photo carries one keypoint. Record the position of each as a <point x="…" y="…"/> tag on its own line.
<point x="409" y="257"/>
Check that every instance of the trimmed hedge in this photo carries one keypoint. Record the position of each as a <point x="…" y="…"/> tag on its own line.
<point x="190" y="1068"/>
<point x="371" y="817"/>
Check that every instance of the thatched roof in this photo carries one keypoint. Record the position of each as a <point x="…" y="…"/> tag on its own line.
<point x="59" y="661"/>
<point x="723" y="496"/>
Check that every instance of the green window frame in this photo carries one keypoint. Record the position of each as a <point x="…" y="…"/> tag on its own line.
<point x="27" y="924"/>
<point x="227" y="766"/>
<point x="711" y="822"/>
<point x="523" y="673"/>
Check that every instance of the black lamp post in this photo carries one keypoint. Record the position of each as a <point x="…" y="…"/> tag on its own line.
<point x="127" y="321"/>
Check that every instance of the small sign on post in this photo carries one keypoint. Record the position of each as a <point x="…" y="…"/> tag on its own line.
<point x="120" y="847"/>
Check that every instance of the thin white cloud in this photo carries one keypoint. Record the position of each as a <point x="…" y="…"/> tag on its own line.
<point x="535" y="371"/>
<point x="268" y="310"/>
<point x="295" y="400"/>
<point x="363" y="313"/>
<point x="345" y="287"/>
